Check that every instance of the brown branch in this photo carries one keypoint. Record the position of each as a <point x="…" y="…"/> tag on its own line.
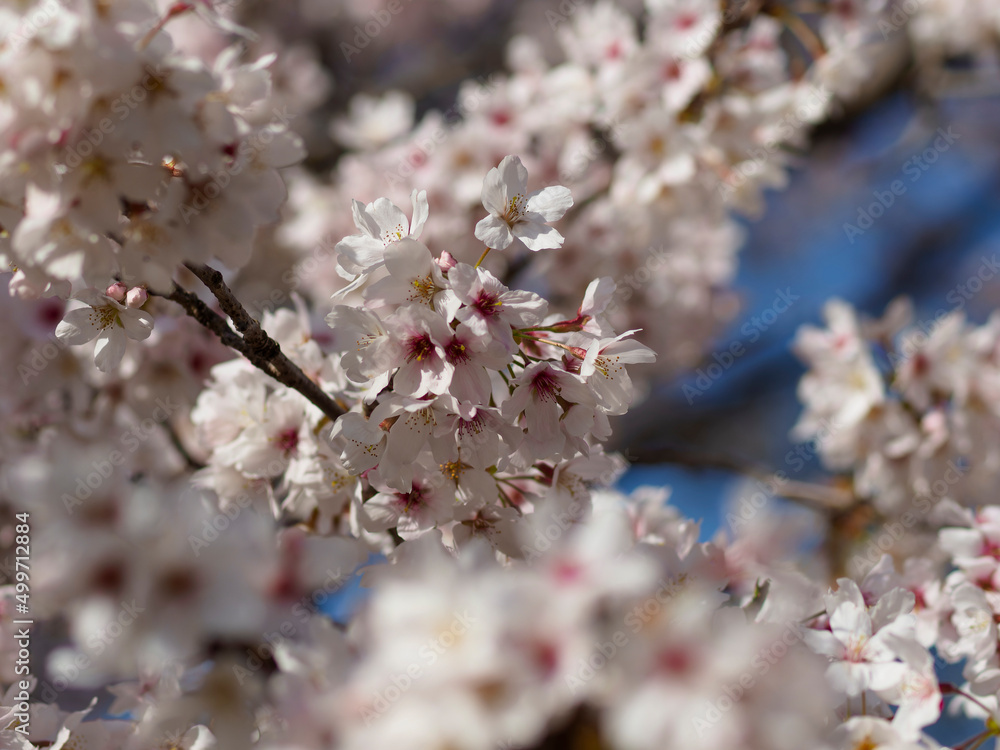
<point x="260" y="349"/>
<point x="816" y="497"/>
<point x="205" y="315"/>
<point x="800" y="29"/>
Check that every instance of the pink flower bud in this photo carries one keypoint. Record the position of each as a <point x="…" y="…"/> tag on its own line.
<point x="570" y="326"/>
<point x="137" y="297"/>
<point x="116" y="291"/>
<point x="446" y="262"/>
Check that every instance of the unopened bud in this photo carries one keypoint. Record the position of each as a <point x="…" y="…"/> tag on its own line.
<point x="446" y="262"/>
<point x="137" y="297"/>
<point x="116" y="291"/>
<point x="570" y="326"/>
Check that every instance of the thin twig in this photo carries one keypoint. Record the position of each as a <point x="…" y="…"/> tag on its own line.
<point x="260" y="349"/>
<point x="814" y="496"/>
<point x="205" y="315"/>
<point x="802" y="31"/>
<point x="179" y="446"/>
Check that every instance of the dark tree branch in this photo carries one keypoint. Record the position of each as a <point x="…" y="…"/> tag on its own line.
<point x="260" y="349"/>
<point x="205" y="315"/>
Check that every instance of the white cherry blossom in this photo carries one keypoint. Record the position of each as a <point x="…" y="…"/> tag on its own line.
<point x="107" y="320"/>
<point x="489" y="308"/>
<point x="857" y="643"/>
<point x="604" y="369"/>
<point x="516" y="214"/>
<point x="381" y="224"/>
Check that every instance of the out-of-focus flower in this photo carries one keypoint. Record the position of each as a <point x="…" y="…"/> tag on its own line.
<point x="107" y="320"/>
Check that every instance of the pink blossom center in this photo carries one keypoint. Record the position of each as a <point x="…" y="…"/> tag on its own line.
<point x="567" y="572"/>
<point x="675" y="661"/>
<point x="288" y="440"/>
<point x="408" y="502"/>
<point x="457" y="352"/>
<point x="470" y="427"/>
<point x="686" y="21"/>
<point x="488" y="304"/>
<point x="419" y="348"/>
<point x="198" y="363"/>
<point x="989" y="548"/>
<point x="671" y="71"/>
<point x="545" y="386"/>
<point x="51" y="311"/>
<point x="844" y="8"/>
<point x="921" y="365"/>
<point x="854" y="649"/>
<point x="546" y="657"/>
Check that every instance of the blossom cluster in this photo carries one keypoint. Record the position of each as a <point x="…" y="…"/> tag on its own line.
<point x="193" y="516"/>
<point x="907" y="407"/>
<point x="621" y="620"/>
<point x="122" y="156"/>
<point x="665" y="118"/>
<point x="661" y="122"/>
<point x="469" y="403"/>
<point x="967" y="606"/>
<point x="620" y="625"/>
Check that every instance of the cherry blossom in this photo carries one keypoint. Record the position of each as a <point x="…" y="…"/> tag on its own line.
<point x="107" y="320"/>
<point x="604" y="369"/>
<point x="351" y="398"/>
<point x="517" y="214"/>
<point x="857" y="641"/>
<point x="381" y="224"/>
<point x="490" y="309"/>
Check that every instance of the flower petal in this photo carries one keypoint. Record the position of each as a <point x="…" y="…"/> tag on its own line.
<point x="420" y="212"/>
<point x="514" y="175"/>
<point x="93" y="297"/>
<point x="79" y="326"/>
<point x="379" y="513"/>
<point x="362" y="220"/>
<point x="110" y="348"/>
<point x="537" y="236"/>
<point x="494" y="195"/>
<point x="551" y="203"/>
<point x="407" y="259"/>
<point x="392" y="223"/>
<point x="494" y="233"/>
<point x="138" y="324"/>
<point x="358" y="253"/>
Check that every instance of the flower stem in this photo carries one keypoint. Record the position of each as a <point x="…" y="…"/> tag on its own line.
<point x="974" y="741"/>
<point x="947" y="687"/>
<point x="572" y="350"/>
